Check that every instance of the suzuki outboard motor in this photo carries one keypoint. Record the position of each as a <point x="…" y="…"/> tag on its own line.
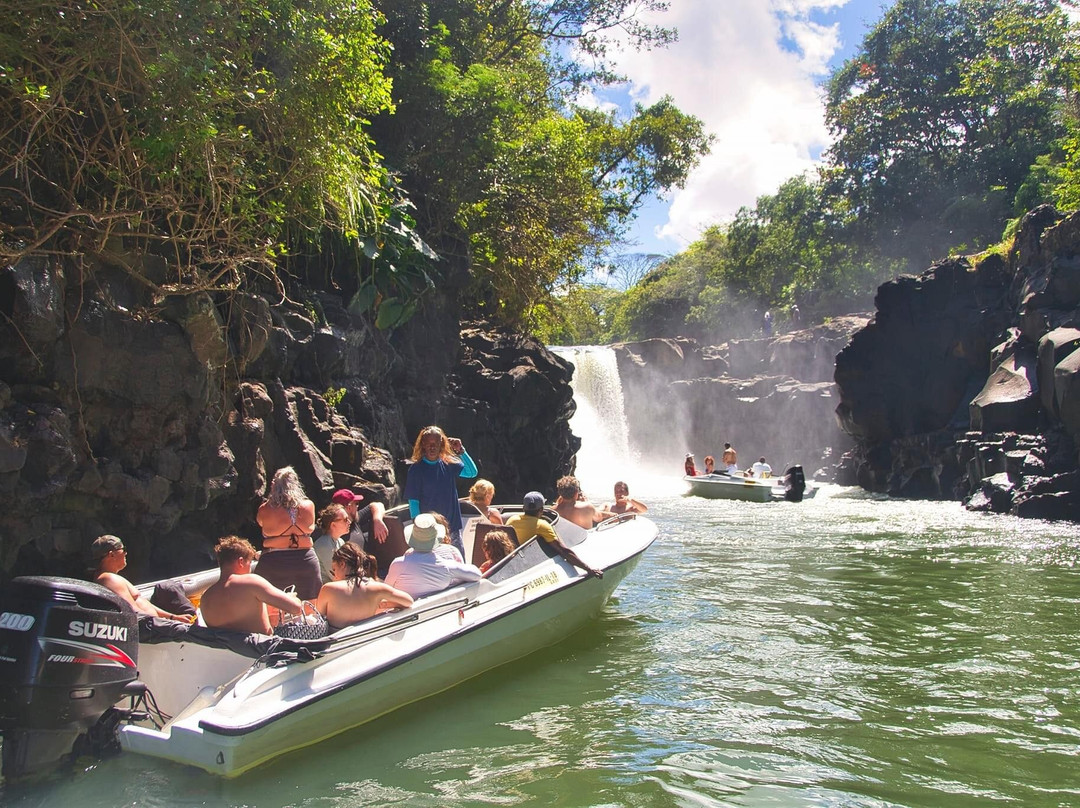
<point x="68" y="648"/>
<point x="794" y="484"/>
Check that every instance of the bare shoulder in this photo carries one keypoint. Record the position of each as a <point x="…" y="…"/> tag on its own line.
<point x="250" y="580"/>
<point x="117" y="583"/>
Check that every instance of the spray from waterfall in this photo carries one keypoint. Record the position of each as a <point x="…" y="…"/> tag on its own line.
<point x="606" y="455"/>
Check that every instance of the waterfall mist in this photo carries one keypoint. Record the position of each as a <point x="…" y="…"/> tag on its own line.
<point x="606" y="455"/>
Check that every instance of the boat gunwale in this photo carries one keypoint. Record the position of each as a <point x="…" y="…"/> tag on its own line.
<point x="246" y="729"/>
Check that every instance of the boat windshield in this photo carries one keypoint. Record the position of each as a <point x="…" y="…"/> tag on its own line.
<point x="530" y="554"/>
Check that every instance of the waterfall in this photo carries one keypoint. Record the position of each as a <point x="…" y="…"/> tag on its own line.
<point x="606" y="455"/>
<point x="600" y="420"/>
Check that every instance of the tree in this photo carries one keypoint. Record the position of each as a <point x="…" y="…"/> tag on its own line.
<point x="213" y="135"/>
<point x="509" y="175"/>
<point x="628" y="269"/>
<point x="939" y="115"/>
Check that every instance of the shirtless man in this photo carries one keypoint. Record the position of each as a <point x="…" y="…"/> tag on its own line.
<point x="352" y="596"/>
<point x="623" y="503"/>
<point x="730" y="459"/>
<point x="239" y="599"/>
<point x="110" y="557"/>
<point x="573" y="506"/>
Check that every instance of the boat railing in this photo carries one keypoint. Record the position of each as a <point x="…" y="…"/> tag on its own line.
<point x="406" y="618"/>
<point x="618" y="519"/>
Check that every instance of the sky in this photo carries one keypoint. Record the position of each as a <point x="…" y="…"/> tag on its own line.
<point x="752" y="71"/>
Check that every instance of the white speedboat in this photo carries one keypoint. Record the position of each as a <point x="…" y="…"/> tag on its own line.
<point x="209" y="705"/>
<point x="791" y="487"/>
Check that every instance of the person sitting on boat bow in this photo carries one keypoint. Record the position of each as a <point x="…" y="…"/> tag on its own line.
<point x="239" y="599"/>
<point x="531" y="523"/>
<point x="574" y="507"/>
<point x="353" y="596"/>
<point x="287" y="519"/>
<point x="424" y="572"/>
<point x="710" y="464"/>
<point x="109" y="558"/>
<point x="689" y="468"/>
<point x="624" y="504"/>
<point x="730" y="459"/>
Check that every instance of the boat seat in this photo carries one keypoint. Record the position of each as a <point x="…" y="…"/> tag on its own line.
<point x="482" y="529"/>
<point x="394" y="546"/>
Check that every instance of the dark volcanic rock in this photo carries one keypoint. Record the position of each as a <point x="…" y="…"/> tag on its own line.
<point x="1009" y="400"/>
<point x="681" y="398"/>
<point x="162" y="420"/>
<point x="510" y="400"/>
<point x="917" y="366"/>
<point x="992" y="346"/>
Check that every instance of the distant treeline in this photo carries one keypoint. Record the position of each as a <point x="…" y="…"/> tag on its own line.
<point x="954" y="119"/>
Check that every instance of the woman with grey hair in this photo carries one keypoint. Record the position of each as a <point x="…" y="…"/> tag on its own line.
<point x="287" y="519"/>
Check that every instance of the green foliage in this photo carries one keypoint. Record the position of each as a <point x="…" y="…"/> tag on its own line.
<point x="946" y="100"/>
<point x="580" y="316"/>
<point x="514" y="179"/>
<point x="334" y="396"/>
<point x="214" y="134"/>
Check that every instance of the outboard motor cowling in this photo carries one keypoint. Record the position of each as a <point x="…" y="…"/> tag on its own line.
<point x="68" y="648"/>
<point x="794" y="484"/>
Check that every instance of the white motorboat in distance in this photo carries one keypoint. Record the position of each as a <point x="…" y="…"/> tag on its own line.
<point x="225" y="712"/>
<point x="791" y="487"/>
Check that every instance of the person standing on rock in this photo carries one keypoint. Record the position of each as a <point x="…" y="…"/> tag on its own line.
<point x="436" y="464"/>
<point x="730" y="459"/>
<point x="766" y="323"/>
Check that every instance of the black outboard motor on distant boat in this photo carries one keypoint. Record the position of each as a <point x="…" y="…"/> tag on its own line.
<point x="68" y="651"/>
<point x="794" y="484"/>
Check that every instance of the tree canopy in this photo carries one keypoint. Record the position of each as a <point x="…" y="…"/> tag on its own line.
<point x="242" y="141"/>
<point x="953" y="117"/>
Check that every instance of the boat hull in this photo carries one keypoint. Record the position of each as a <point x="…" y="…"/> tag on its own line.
<point x="471" y="629"/>
<point x="715" y="486"/>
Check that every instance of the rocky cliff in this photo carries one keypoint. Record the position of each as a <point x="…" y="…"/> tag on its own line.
<point x="769" y="397"/>
<point x="161" y="419"/>
<point x="966" y="384"/>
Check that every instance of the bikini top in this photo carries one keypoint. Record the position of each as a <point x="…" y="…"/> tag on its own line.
<point x="294" y="536"/>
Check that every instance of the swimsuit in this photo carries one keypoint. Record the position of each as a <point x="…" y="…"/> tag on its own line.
<point x="294" y="536"/>
<point x="294" y="566"/>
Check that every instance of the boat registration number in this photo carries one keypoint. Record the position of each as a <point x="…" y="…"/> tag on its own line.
<point x="547" y="579"/>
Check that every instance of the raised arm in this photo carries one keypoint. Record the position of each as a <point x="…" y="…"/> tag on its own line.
<point x="378" y="523"/>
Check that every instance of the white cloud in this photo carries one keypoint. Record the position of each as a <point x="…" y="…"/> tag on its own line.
<point x="751" y="70"/>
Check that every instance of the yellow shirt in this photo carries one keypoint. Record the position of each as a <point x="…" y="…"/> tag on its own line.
<point x="526" y="527"/>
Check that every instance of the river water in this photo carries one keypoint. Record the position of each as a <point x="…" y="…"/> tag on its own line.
<point x="846" y="651"/>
